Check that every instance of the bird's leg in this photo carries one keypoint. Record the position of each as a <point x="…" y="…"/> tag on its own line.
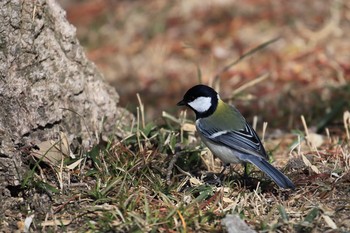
<point x="216" y="179"/>
<point x="223" y="170"/>
<point x="245" y="175"/>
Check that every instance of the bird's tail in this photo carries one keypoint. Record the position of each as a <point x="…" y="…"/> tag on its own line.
<point x="277" y="176"/>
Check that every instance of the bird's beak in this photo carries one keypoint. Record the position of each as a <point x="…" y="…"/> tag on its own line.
<point x="181" y="103"/>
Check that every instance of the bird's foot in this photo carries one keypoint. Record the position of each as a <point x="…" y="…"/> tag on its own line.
<point x="213" y="179"/>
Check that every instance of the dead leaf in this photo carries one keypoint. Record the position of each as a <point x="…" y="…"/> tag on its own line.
<point x="308" y="163"/>
<point x="75" y="164"/>
<point x="189" y="127"/>
<point x="54" y="152"/>
<point x="329" y="221"/>
<point x="316" y="140"/>
<point x="57" y="222"/>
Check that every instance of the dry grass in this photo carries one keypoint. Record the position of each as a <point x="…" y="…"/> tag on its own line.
<point x="156" y="180"/>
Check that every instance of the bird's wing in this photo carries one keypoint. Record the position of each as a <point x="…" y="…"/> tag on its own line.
<point x="248" y="144"/>
<point x="245" y="141"/>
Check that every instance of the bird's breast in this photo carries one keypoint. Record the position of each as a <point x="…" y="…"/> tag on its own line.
<point x="225" y="154"/>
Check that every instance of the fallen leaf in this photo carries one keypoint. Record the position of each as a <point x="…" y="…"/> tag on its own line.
<point x="308" y="163"/>
<point x="329" y="221"/>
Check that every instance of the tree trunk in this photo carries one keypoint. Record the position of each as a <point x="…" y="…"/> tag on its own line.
<point x="47" y="85"/>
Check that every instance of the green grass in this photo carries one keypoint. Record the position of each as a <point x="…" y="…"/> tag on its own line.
<point x="154" y="180"/>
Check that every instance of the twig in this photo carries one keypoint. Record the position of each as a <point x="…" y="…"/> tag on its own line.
<point x="178" y="152"/>
<point x="171" y="166"/>
<point x="59" y="208"/>
<point x="247" y="54"/>
<point x="307" y="137"/>
<point x="346" y="119"/>
<point x="251" y="83"/>
<point x="264" y="132"/>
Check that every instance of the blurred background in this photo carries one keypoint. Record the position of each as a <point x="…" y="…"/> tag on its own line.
<point x="159" y="49"/>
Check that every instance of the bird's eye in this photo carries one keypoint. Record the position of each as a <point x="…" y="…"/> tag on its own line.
<point x="192" y="98"/>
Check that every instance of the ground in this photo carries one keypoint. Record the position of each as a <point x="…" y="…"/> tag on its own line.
<point x="294" y="62"/>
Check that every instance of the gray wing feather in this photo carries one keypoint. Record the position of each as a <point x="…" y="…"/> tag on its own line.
<point x="250" y="149"/>
<point x="244" y="141"/>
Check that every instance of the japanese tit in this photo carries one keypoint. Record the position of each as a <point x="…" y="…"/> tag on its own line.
<point x="227" y="134"/>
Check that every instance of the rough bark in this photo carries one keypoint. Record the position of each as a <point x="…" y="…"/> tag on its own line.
<point x="47" y="85"/>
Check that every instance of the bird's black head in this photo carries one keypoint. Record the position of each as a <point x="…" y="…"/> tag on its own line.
<point x="202" y="99"/>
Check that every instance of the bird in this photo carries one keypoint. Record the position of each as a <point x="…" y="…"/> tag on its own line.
<point x="227" y="134"/>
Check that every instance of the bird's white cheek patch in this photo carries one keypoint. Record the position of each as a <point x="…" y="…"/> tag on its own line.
<point x="201" y="104"/>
